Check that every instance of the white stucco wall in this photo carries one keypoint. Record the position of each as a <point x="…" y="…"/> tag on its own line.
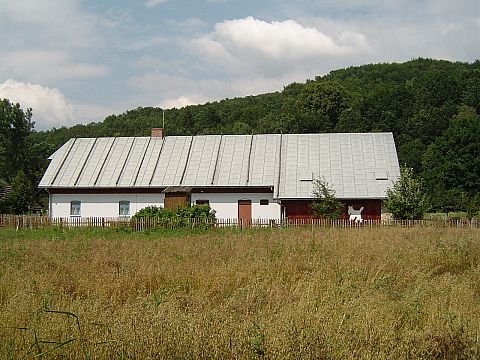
<point x="101" y="205"/>
<point x="106" y="205"/>
<point x="226" y="205"/>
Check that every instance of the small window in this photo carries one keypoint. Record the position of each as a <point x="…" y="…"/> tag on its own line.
<point x="124" y="208"/>
<point x="75" y="208"/>
<point x="202" y="202"/>
<point x="264" y="202"/>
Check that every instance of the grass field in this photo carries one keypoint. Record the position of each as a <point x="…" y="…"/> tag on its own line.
<point x="387" y="293"/>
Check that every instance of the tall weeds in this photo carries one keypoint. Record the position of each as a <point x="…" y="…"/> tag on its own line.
<point x="299" y="293"/>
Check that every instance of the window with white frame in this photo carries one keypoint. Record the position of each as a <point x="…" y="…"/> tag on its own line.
<point x="75" y="208"/>
<point x="124" y="208"/>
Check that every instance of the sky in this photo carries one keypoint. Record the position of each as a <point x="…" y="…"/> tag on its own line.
<point x="78" y="61"/>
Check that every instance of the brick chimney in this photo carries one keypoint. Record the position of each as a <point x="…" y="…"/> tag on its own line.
<point x="157" y="132"/>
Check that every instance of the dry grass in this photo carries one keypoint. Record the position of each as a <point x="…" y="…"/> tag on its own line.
<point x="283" y="294"/>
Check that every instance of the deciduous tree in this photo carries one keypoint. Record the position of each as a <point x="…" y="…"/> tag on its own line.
<point x="15" y="126"/>
<point x="452" y="162"/>
<point x="406" y="200"/>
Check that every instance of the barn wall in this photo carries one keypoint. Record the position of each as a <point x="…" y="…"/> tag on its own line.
<point x="300" y="209"/>
<point x="101" y="205"/>
<point x="226" y="204"/>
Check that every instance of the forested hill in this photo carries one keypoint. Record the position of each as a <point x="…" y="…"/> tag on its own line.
<point x="431" y="106"/>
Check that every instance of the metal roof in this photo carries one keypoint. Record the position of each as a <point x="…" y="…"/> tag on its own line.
<point x="357" y="165"/>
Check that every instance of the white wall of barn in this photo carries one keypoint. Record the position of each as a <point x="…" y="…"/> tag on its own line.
<point x="101" y="205"/>
<point x="226" y="204"/>
<point x="107" y="205"/>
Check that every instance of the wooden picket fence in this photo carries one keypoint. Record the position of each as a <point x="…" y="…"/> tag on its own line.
<point x="37" y="222"/>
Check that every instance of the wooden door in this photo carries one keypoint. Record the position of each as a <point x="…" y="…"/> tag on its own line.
<point x="245" y="212"/>
<point x="176" y="200"/>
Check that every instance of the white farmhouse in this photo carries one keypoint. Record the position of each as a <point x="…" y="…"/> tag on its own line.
<point x="246" y="177"/>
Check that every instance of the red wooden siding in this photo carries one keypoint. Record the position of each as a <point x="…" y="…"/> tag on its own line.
<point x="300" y="209"/>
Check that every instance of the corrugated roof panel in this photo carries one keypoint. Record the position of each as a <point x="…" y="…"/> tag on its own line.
<point x="289" y="170"/>
<point x="95" y="161"/>
<point x="115" y="162"/>
<point x="68" y="174"/>
<point x="202" y="160"/>
<point x="172" y="161"/>
<point x="263" y="160"/>
<point x="57" y="159"/>
<point x="134" y="161"/>
<point x="149" y="163"/>
<point x="232" y="166"/>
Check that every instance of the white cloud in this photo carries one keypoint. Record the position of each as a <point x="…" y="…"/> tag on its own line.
<point x="176" y="90"/>
<point x="148" y="43"/>
<point x="57" y="23"/>
<point x="85" y="113"/>
<point x="277" y="40"/>
<point x="190" y="24"/>
<point x="178" y="103"/>
<point x="50" y="107"/>
<point x="259" y="57"/>
<point x="43" y="66"/>
<point x="46" y="42"/>
<point x="152" y="3"/>
<point x="397" y="31"/>
<point x="272" y="48"/>
<point x="216" y="51"/>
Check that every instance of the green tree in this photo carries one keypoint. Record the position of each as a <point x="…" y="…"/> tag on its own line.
<point x="452" y="162"/>
<point x="325" y="205"/>
<point x="320" y="105"/>
<point x="406" y="200"/>
<point x="15" y="126"/>
<point x="20" y="198"/>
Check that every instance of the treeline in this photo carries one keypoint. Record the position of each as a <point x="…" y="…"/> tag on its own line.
<point x="431" y="106"/>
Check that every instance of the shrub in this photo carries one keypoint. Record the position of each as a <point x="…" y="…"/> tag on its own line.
<point x="325" y="205"/>
<point x="149" y="212"/>
<point x="405" y="200"/>
<point x="177" y="218"/>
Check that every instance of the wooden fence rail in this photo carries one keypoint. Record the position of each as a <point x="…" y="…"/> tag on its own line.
<point x="37" y="222"/>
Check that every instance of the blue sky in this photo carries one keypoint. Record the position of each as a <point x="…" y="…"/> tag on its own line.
<point x="77" y="61"/>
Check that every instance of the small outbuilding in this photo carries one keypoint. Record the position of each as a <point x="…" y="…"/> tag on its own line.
<point x="267" y="176"/>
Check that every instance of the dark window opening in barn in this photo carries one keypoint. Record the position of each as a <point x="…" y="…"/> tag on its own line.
<point x="202" y="202"/>
<point x="264" y="202"/>
<point x="75" y="208"/>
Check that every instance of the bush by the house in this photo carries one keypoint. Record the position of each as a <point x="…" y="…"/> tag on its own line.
<point x="180" y="217"/>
